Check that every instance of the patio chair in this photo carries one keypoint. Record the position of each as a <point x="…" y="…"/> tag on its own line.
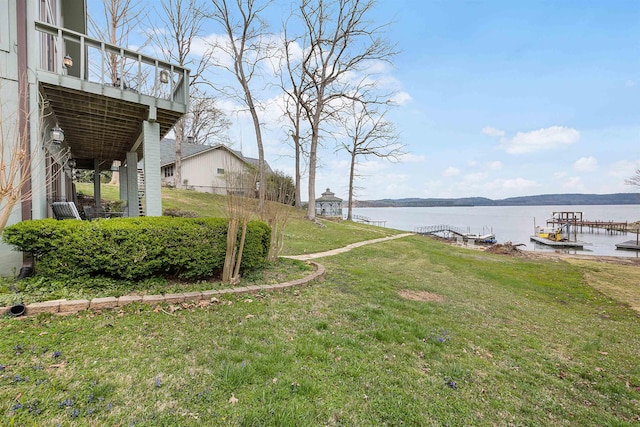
<point x="65" y="210"/>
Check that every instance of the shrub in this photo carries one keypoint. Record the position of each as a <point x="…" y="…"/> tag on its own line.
<point x="179" y="213"/>
<point x="135" y="248"/>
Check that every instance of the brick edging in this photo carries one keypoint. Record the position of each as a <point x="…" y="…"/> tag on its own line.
<point x="74" y="306"/>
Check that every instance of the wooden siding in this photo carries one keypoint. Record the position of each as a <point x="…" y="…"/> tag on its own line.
<point x="201" y="171"/>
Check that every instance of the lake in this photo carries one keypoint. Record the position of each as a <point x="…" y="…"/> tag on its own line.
<point x="514" y="223"/>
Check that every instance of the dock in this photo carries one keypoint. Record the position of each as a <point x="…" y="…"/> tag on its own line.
<point x="488" y="238"/>
<point x="579" y="224"/>
<point x="364" y="220"/>
<point x="560" y="244"/>
<point x="629" y="245"/>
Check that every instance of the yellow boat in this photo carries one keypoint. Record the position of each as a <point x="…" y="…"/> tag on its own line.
<point x="551" y="233"/>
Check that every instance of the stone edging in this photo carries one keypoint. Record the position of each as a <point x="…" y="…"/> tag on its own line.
<point x="74" y="306"/>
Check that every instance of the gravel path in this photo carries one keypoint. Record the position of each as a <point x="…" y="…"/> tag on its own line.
<point x="306" y="257"/>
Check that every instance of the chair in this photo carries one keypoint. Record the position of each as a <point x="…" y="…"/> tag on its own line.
<point x="65" y="210"/>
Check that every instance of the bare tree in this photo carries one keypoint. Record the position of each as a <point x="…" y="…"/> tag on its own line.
<point x="121" y="17"/>
<point x="368" y="133"/>
<point x="341" y="42"/>
<point x="245" y="34"/>
<point x="205" y="122"/>
<point x="634" y="180"/>
<point x="239" y="210"/>
<point x="292" y="84"/>
<point x="183" y="21"/>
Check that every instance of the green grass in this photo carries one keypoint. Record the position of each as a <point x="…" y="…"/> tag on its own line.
<point x="513" y="341"/>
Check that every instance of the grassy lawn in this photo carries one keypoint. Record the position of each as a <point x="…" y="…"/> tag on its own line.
<point x="405" y="332"/>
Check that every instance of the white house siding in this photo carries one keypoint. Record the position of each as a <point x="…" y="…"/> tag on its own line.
<point x="201" y="171"/>
<point x="11" y="260"/>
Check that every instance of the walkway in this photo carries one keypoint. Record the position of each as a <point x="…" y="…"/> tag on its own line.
<point x="70" y="307"/>
<point x="307" y="257"/>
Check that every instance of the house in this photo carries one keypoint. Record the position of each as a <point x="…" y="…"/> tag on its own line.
<point x="329" y="205"/>
<point x="215" y="169"/>
<point x="76" y="102"/>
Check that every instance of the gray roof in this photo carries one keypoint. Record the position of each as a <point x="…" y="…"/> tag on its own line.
<point x="168" y="152"/>
<point x="328" y="196"/>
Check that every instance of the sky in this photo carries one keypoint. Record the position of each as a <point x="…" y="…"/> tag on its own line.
<point x="494" y="98"/>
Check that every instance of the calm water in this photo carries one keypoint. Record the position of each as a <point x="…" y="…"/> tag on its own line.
<point x="513" y="223"/>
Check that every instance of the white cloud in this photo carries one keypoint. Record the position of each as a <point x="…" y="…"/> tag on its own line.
<point x="451" y="171"/>
<point x="492" y="131"/>
<point x="630" y="83"/>
<point x="624" y="169"/>
<point x="495" y="165"/>
<point x="574" y="183"/>
<point x="560" y="174"/>
<point x="520" y="184"/>
<point x="586" y="164"/>
<point x="475" y="177"/>
<point x="471" y="163"/>
<point x="541" y="139"/>
<point x="412" y="158"/>
<point x="400" y="98"/>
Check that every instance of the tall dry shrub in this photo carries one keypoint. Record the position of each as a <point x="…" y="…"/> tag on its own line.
<point x="239" y="209"/>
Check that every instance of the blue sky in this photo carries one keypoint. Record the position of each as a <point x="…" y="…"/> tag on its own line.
<point x="496" y="99"/>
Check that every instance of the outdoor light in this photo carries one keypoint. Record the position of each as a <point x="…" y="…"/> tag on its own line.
<point x="67" y="61"/>
<point x="190" y="139"/>
<point x="164" y="76"/>
<point x="72" y="163"/>
<point x="57" y="135"/>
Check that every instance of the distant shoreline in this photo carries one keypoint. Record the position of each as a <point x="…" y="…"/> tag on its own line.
<point x="539" y="200"/>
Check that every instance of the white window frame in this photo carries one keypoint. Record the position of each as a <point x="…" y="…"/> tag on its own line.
<point x="4" y="25"/>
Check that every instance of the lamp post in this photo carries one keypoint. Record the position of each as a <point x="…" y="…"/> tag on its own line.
<point x="67" y="61"/>
<point x="164" y="76"/>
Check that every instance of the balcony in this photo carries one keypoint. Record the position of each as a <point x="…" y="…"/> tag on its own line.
<point x="102" y="98"/>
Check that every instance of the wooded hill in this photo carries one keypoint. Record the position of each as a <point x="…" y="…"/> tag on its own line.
<point x="540" y="200"/>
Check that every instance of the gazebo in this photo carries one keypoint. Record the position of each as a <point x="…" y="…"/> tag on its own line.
<point x="329" y="205"/>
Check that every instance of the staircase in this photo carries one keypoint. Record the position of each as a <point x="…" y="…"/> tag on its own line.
<point x="141" y="191"/>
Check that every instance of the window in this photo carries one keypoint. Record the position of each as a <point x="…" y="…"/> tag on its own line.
<point x="220" y="171"/>
<point x="168" y="171"/>
<point x="4" y="25"/>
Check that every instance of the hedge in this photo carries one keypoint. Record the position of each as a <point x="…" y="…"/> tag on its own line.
<point x="135" y="248"/>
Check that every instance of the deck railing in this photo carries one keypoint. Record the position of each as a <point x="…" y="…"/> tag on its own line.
<point x="111" y="65"/>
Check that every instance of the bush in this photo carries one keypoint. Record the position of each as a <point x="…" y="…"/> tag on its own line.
<point x="179" y="213"/>
<point x="135" y="248"/>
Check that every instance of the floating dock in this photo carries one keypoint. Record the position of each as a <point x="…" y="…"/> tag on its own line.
<point x="560" y="244"/>
<point x="629" y="245"/>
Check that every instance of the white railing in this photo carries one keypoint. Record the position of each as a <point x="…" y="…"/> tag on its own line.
<point x="112" y="65"/>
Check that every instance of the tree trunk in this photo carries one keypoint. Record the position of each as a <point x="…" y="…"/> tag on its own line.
<point x="230" y="256"/>
<point x="298" y="196"/>
<point x="236" y="272"/>
<point x="261" y="164"/>
<point x="115" y="175"/>
<point x="351" y="177"/>
<point x="311" y="209"/>
<point x="177" y="173"/>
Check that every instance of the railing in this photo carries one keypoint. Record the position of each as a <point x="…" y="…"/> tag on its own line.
<point x="112" y="65"/>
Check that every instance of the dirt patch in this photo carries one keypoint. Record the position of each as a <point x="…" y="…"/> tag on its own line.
<point x="420" y="296"/>
<point x="507" y="248"/>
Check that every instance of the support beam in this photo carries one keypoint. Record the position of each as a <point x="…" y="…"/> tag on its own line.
<point x="122" y="171"/>
<point x="151" y="160"/>
<point x="96" y="182"/>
